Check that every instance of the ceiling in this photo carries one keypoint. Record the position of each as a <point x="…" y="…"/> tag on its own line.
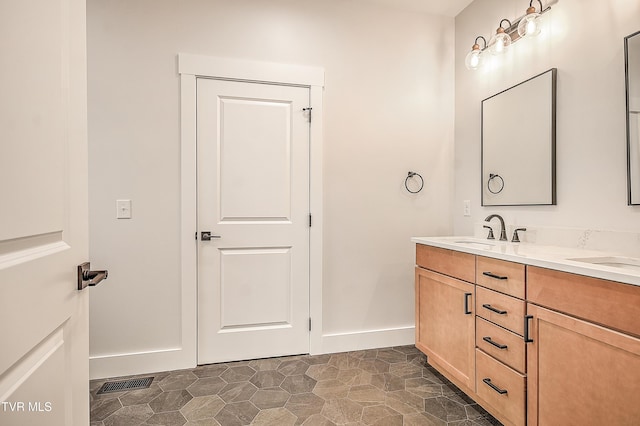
<point x="437" y="7"/>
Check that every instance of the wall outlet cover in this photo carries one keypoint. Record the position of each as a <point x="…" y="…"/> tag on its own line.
<point x="123" y="209"/>
<point x="467" y="208"/>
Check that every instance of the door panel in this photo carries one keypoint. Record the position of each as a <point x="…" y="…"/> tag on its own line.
<point x="43" y="223"/>
<point x="260" y="189"/>
<point x="446" y="324"/>
<point x="580" y="373"/>
<point x="255" y="287"/>
<point x="253" y="193"/>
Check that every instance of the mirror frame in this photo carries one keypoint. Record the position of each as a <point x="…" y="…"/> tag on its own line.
<point x="552" y="142"/>
<point x="627" y="113"/>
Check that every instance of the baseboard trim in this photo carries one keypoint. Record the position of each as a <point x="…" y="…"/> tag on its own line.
<point x="116" y="365"/>
<point x="126" y="364"/>
<point x="367" y="339"/>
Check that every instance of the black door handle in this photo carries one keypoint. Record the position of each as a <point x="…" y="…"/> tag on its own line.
<point x="466" y="303"/>
<point x="527" y="337"/>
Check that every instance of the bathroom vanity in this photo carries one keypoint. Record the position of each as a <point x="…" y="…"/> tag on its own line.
<point x="536" y="335"/>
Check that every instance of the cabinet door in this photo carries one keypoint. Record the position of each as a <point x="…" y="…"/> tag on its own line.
<point x="445" y="324"/>
<point x="580" y="373"/>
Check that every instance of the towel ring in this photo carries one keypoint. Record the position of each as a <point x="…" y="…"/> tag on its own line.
<point x="406" y="182"/>
<point x="493" y="176"/>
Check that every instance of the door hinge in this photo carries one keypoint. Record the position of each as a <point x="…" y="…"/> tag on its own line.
<point x="309" y="324"/>
<point x="308" y="109"/>
<point x="309" y="220"/>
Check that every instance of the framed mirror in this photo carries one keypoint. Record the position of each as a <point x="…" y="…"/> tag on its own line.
<point x="632" y="73"/>
<point x="519" y="144"/>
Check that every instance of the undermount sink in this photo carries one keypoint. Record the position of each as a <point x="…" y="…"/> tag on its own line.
<point x="475" y="244"/>
<point x="628" y="263"/>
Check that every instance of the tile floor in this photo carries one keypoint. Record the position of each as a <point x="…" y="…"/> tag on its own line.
<point x="383" y="387"/>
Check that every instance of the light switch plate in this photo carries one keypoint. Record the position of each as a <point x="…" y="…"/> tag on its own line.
<point x="123" y="209"/>
<point x="467" y="207"/>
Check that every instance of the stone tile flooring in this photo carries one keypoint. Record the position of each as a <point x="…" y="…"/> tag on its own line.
<point x="383" y="387"/>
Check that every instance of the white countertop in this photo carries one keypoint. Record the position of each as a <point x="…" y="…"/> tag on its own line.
<point x="544" y="256"/>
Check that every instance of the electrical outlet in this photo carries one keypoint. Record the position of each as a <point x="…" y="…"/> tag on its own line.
<point x="467" y="208"/>
<point x="123" y="209"/>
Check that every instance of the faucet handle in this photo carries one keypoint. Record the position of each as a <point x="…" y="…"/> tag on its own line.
<point x="515" y="238"/>
<point x="490" y="236"/>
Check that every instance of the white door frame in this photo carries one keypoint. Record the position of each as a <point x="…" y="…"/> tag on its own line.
<point x="190" y="67"/>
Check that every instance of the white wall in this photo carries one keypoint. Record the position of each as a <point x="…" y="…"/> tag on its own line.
<point x="583" y="39"/>
<point x="388" y="109"/>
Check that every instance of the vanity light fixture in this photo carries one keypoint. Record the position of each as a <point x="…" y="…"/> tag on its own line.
<point x="500" y="41"/>
<point x="473" y="60"/>
<point x="525" y="26"/>
<point x="529" y="25"/>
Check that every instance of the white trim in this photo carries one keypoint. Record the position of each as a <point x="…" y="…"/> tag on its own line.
<point x="102" y="366"/>
<point x="134" y="363"/>
<point x="189" y="67"/>
<point x="368" y="339"/>
<point x="241" y="69"/>
<point x="315" y="233"/>
<point x="188" y="260"/>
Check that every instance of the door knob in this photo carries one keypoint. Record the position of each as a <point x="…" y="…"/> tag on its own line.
<point x="206" y="236"/>
<point x="89" y="278"/>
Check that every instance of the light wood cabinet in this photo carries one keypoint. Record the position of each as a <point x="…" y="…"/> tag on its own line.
<point x="500" y="355"/>
<point x="579" y="372"/>
<point x="445" y="326"/>
<point x="531" y="345"/>
<point x="501" y="387"/>
<point x="500" y="275"/>
<point x="502" y="344"/>
<point x="612" y="304"/>
<point x="500" y="309"/>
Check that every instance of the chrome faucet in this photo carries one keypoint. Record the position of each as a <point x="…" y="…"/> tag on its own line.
<point x="503" y="231"/>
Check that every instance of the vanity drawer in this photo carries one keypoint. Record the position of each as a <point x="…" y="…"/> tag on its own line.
<point x="508" y="396"/>
<point x="448" y="262"/>
<point x="501" y="344"/>
<point x="612" y="304"/>
<point x="500" y="309"/>
<point x="501" y="275"/>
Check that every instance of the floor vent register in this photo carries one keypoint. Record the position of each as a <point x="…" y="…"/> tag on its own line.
<point x="126" y="385"/>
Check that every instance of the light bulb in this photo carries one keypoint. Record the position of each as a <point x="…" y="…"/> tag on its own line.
<point x="500" y="42"/>
<point x="529" y="25"/>
<point x="473" y="60"/>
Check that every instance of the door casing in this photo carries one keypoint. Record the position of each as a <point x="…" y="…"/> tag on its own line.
<point x="190" y="67"/>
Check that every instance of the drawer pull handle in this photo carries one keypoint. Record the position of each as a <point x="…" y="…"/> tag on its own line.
<point x="492" y="275"/>
<point x="466" y="303"/>
<point x="491" y="342"/>
<point x="492" y="309"/>
<point x="494" y="387"/>
<point x="527" y="337"/>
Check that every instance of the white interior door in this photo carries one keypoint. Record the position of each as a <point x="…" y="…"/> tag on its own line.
<point x="43" y="219"/>
<point x="253" y="192"/>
